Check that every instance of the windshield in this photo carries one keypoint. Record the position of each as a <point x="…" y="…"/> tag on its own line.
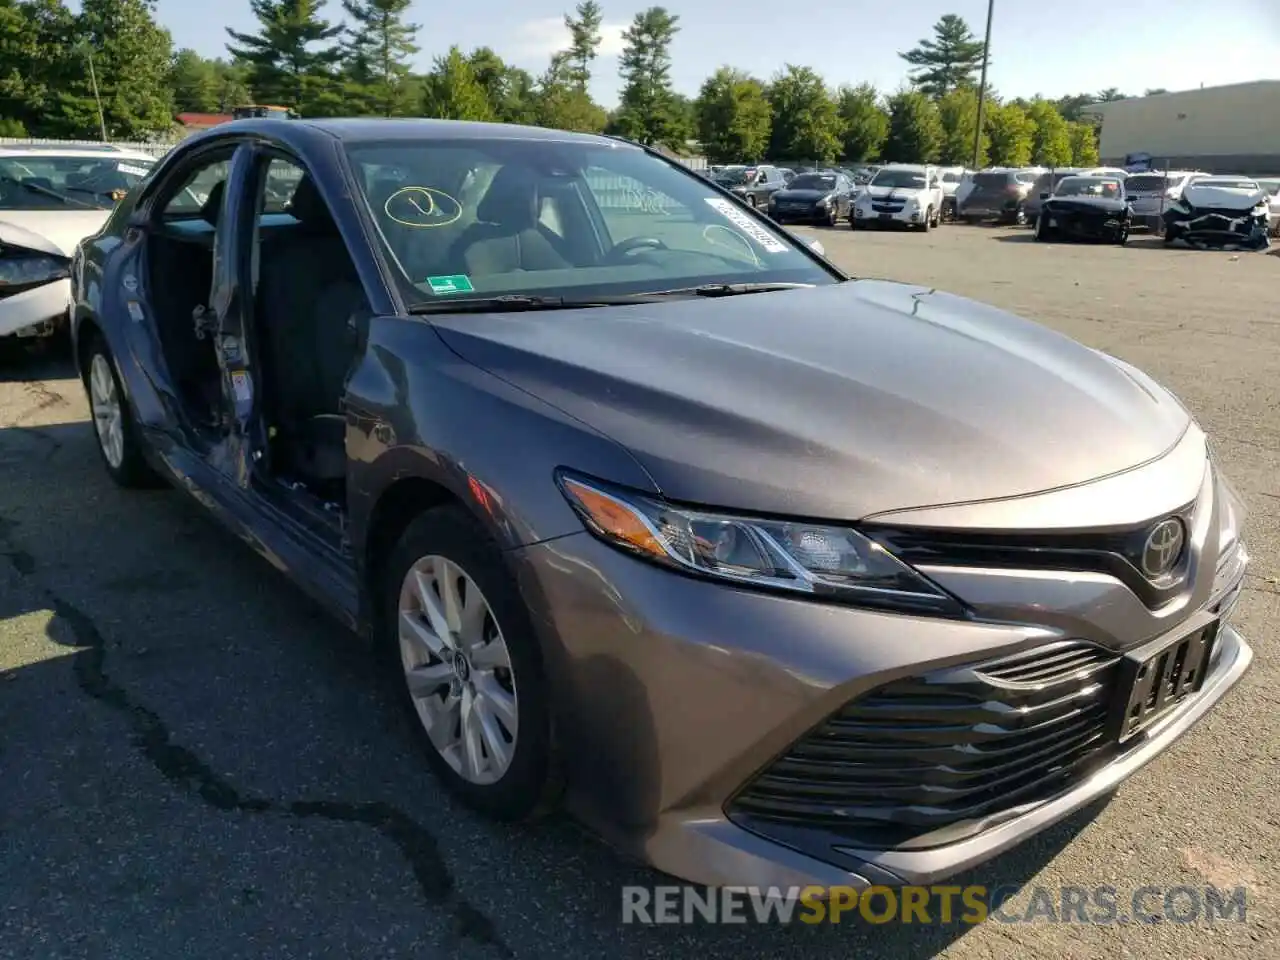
<point x="812" y="181"/>
<point x="1089" y="187"/>
<point x="58" y="183"/>
<point x="899" y="178"/>
<point x="734" y="175"/>
<point x="564" y="219"/>
<point x="1000" y="180"/>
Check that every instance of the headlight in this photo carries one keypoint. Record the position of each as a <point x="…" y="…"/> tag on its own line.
<point x="1262" y="210"/>
<point x="20" y="269"/>
<point x="831" y="563"/>
<point x="1233" y="558"/>
<point x="824" y="201"/>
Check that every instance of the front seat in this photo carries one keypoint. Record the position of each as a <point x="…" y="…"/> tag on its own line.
<point x="308" y="297"/>
<point x="508" y="235"/>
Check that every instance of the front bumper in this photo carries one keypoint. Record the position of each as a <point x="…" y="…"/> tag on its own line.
<point x="800" y="214"/>
<point x="864" y="215"/>
<point x="36" y="312"/>
<point x="676" y="694"/>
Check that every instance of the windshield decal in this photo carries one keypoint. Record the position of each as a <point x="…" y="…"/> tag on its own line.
<point x="457" y="283"/>
<point x="422" y="207"/>
<point x="748" y="226"/>
<point x="132" y="170"/>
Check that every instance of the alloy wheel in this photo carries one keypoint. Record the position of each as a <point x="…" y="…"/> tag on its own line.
<point x="458" y="669"/>
<point x="108" y="416"/>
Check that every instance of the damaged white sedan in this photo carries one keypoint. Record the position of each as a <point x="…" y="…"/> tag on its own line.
<point x="51" y="198"/>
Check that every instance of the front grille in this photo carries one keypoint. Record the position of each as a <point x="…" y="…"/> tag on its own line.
<point x="929" y="759"/>
<point x="1117" y="553"/>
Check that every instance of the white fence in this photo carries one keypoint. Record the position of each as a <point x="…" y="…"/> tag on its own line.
<point x="155" y="149"/>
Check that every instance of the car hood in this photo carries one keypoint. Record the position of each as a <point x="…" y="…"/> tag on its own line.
<point x="832" y="402"/>
<point x="57" y="232"/>
<point x="1228" y="198"/>
<point x="874" y="191"/>
<point x="809" y="196"/>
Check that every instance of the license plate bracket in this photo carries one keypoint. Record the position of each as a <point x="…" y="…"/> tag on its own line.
<point x="886" y="216"/>
<point x="1147" y="689"/>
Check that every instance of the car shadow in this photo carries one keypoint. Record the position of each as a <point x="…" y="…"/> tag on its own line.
<point x="24" y="361"/>
<point x="180" y="676"/>
<point x="1136" y="241"/>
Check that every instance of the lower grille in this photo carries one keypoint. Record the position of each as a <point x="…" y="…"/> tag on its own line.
<point x="945" y="752"/>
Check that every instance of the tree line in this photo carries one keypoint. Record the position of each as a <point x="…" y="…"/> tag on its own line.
<point x="51" y="60"/>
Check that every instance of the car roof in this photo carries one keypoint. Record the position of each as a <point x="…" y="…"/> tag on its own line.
<point x="414" y="128"/>
<point x="918" y="167"/>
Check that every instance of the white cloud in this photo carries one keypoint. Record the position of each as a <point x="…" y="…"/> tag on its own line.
<point x="539" y="39"/>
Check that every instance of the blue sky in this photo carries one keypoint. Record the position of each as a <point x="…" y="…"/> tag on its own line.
<point x="1036" y="47"/>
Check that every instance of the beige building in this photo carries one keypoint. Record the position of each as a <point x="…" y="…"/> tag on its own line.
<point x="1231" y="129"/>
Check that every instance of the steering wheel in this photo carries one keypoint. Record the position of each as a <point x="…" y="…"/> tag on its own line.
<point x="632" y="244"/>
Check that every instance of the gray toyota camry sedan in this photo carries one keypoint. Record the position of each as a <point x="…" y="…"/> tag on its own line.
<point x="771" y="575"/>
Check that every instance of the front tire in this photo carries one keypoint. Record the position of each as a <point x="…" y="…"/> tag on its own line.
<point x="928" y="220"/>
<point x="471" y="668"/>
<point x="114" y="428"/>
<point x="1041" y="230"/>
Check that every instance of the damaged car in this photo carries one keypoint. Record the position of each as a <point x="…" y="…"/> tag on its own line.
<point x="770" y="575"/>
<point x="1085" y="208"/>
<point x="1225" y="212"/>
<point x="50" y="200"/>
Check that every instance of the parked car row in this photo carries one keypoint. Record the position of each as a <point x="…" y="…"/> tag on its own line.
<point x="1108" y="203"/>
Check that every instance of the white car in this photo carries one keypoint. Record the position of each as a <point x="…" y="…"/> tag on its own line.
<point x="1220" y="211"/>
<point x="1150" y="194"/>
<point x="1272" y="186"/>
<point x="900" y="194"/>
<point x="51" y="198"/>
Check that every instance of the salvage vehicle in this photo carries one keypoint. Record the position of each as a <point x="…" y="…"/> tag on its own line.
<point x="770" y="574"/>
<point x="812" y="198"/>
<point x="51" y="199"/>
<point x="1220" y="211"/>
<point x="1085" y="208"/>
<point x="900" y="194"/>
<point x="755" y="185"/>
<point x="1151" y="193"/>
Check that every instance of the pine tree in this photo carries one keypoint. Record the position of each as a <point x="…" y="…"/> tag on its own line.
<point x="584" y="40"/>
<point x="958" y="113"/>
<point x="648" y="112"/>
<point x="562" y="104"/>
<point x="132" y="57"/>
<point x="291" y="59"/>
<point x="452" y="92"/>
<point x="950" y="60"/>
<point x="379" y="49"/>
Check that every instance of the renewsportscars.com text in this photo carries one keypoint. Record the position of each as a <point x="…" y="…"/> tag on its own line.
<point x="933" y="905"/>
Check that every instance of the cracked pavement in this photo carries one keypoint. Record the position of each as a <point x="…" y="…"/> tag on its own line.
<point x="195" y="762"/>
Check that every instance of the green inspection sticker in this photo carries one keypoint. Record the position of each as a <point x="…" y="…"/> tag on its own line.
<point x="458" y="283"/>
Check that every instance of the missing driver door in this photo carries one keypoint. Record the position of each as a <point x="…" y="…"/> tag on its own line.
<point x="231" y="303"/>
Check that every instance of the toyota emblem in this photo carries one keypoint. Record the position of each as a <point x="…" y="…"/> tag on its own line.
<point x="1163" y="548"/>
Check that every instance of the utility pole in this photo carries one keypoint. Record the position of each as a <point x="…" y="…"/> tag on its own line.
<point x="982" y="88"/>
<point x="93" y="79"/>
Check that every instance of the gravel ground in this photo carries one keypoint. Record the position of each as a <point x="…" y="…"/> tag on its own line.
<point x="195" y="763"/>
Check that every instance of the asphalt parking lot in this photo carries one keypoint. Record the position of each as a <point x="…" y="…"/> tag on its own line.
<point x="195" y="763"/>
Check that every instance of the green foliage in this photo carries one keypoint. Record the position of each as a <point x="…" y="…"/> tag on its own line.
<point x="958" y="114"/>
<point x="1012" y="133"/>
<point x="915" y="129"/>
<point x="1084" y="144"/>
<point x="953" y="58"/>
<point x="584" y="40"/>
<point x="510" y="90"/>
<point x="380" y="45"/>
<point x="806" y="125"/>
<point x="864" y="124"/>
<point x="451" y="90"/>
<point x="10" y="127"/>
<point x="1051" y="139"/>
<point x="649" y="112"/>
<point x="561" y="104"/>
<point x="733" y="117"/>
<point x="292" y="58"/>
